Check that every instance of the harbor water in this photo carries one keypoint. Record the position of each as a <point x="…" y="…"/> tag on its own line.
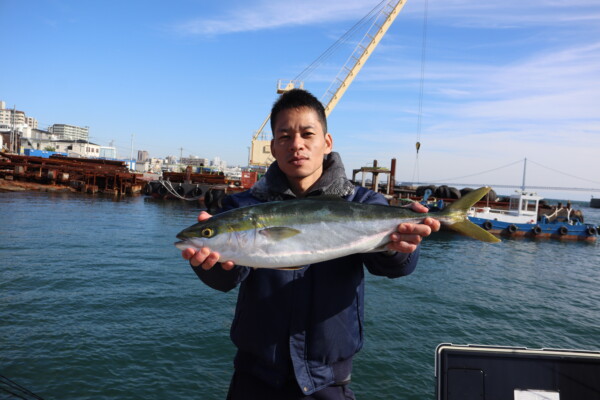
<point x="96" y="303"/>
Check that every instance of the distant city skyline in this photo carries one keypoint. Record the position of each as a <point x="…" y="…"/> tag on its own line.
<point x="500" y="81"/>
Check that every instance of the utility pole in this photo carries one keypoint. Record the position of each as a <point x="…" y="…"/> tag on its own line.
<point x="131" y="154"/>
<point x="12" y="130"/>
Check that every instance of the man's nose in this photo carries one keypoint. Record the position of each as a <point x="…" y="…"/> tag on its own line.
<point x="297" y="142"/>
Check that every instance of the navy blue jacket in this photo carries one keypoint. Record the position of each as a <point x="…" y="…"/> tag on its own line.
<point x="305" y="324"/>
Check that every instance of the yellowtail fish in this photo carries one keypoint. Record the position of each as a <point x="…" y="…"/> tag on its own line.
<point x="290" y="233"/>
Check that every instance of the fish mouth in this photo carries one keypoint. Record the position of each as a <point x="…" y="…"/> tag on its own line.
<point x="182" y="245"/>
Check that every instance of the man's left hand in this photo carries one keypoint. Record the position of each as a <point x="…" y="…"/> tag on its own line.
<point x="408" y="236"/>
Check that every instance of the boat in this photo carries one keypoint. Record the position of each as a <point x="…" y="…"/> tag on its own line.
<point x="208" y="189"/>
<point x="524" y="219"/>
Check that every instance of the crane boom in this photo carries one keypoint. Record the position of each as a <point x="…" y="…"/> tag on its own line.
<point x="260" y="153"/>
<point x="361" y="53"/>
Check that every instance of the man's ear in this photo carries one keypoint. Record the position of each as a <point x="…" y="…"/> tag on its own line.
<point x="328" y="143"/>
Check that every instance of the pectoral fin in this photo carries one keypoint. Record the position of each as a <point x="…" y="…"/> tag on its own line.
<point x="279" y="232"/>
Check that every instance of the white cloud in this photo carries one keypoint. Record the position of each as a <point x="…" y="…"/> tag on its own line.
<point x="271" y="14"/>
<point x="514" y="13"/>
<point x="275" y="14"/>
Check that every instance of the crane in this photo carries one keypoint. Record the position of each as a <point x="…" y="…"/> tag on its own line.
<point x="260" y="150"/>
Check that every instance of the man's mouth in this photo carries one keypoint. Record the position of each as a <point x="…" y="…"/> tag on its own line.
<point x="298" y="160"/>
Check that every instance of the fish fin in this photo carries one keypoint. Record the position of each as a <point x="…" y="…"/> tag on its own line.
<point x="468" y="228"/>
<point x="467" y="201"/>
<point x="463" y="225"/>
<point x="279" y="232"/>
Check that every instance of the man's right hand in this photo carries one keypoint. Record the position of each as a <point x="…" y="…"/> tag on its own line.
<point x="205" y="257"/>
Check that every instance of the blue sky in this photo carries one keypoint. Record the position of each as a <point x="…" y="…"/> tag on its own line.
<point x="503" y="81"/>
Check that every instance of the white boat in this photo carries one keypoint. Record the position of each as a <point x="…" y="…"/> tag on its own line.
<point x="522" y="219"/>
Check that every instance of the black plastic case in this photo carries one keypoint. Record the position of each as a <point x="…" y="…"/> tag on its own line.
<point x="469" y="372"/>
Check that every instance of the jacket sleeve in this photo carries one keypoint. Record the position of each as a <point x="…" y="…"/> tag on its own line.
<point x="219" y="279"/>
<point x="383" y="264"/>
<point x="216" y="277"/>
<point x="392" y="266"/>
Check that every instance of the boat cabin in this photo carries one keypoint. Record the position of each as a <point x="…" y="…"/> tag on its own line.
<point x="524" y="204"/>
<point x="523" y="209"/>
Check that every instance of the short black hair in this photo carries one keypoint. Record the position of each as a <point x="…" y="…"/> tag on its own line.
<point x="298" y="98"/>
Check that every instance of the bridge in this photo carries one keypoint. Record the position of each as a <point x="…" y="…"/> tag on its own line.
<point x="522" y="186"/>
<point x="476" y="185"/>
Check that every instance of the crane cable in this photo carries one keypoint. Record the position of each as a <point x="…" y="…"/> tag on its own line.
<point x="421" y="86"/>
<point x="367" y="19"/>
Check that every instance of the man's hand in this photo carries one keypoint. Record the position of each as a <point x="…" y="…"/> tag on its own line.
<point x="204" y="257"/>
<point x="409" y="235"/>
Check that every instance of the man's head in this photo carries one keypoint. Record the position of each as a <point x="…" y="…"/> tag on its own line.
<point x="297" y="98"/>
<point x="300" y="139"/>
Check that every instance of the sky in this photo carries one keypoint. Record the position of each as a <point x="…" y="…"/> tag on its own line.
<point x="481" y="85"/>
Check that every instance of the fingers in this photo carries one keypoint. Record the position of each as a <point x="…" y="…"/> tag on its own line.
<point x="418" y="207"/>
<point x="228" y="265"/>
<point x="432" y="223"/>
<point x="205" y="258"/>
<point x="409" y="235"/>
<point x="203" y="216"/>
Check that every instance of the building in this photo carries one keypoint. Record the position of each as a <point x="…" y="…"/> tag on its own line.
<point x="195" y="161"/>
<point x="143" y="156"/>
<point x="70" y="132"/>
<point x="44" y="140"/>
<point x="108" y="152"/>
<point x="12" y="117"/>
<point x="218" y="164"/>
<point x="16" y="120"/>
<point x="153" y="165"/>
<point x="78" y="148"/>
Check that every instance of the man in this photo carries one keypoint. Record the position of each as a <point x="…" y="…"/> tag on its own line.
<point x="297" y="331"/>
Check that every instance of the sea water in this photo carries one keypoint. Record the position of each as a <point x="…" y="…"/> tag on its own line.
<point x="97" y="303"/>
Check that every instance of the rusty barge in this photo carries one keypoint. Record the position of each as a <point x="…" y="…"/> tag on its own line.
<point x="19" y="172"/>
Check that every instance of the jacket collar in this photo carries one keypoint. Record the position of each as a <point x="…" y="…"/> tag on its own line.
<point x="274" y="185"/>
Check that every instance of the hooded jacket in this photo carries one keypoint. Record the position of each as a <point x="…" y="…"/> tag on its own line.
<point x="307" y="324"/>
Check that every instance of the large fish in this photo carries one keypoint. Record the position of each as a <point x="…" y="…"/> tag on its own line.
<point x="289" y="233"/>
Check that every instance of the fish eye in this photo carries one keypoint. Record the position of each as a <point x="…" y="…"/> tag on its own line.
<point x="207" y="232"/>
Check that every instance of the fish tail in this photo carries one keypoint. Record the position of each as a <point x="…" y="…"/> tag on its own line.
<point x="458" y="216"/>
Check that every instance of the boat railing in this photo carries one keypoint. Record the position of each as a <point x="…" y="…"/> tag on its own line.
<point x="489" y="210"/>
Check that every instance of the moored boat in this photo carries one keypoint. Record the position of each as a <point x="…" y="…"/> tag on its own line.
<point x="522" y="219"/>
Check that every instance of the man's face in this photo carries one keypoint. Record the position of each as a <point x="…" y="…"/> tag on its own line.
<point x="299" y="145"/>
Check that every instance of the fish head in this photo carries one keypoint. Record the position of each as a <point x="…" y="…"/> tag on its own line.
<point x="200" y="235"/>
<point x="219" y="233"/>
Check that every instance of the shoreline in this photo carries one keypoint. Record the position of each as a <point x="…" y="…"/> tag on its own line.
<point x="22" y="186"/>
